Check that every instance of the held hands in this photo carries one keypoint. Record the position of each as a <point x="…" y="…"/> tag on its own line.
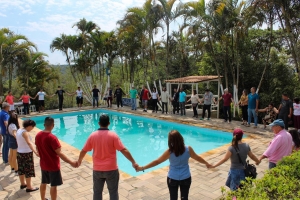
<point x="74" y="164"/>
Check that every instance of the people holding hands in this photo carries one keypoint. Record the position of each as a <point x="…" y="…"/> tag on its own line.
<point x="179" y="174"/>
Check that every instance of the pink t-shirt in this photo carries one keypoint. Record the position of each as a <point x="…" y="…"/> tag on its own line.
<point x="280" y="146"/>
<point x="104" y="144"/>
<point x="10" y="99"/>
<point x="25" y="98"/>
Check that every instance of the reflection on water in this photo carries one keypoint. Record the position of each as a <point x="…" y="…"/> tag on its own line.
<point x="146" y="138"/>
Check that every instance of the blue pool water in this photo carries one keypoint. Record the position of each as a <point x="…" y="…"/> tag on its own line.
<point x="145" y="138"/>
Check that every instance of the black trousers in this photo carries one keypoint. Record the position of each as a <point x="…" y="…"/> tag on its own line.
<point x="60" y="103"/>
<point x="26" y="108"/>
<point x="154" y="104"/>
<point x="206" y="107"/>
<point x="164" y="104"/>
<point x="245" y="112"/>
<point x="119" y="101"/>
<point x="175" y="107"/>
<point x="285" y="118"/>
<point x="227" y="113"/>
<point x="195" y="106"/>
<point x="184" y="186"/>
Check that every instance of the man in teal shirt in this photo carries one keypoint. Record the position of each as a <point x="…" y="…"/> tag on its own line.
<point x="133" y="93"/>
<point x="182" y="100"/>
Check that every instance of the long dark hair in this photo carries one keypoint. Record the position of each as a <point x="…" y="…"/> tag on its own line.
<point x="176" y="143"/>
<point x="13" y="119"/>
<point x="295" y="136"/>
<point x="235" y="141"/>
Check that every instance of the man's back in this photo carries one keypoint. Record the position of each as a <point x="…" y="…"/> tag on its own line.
<point x="46" y="144"/>
<point x="104" y="144"/>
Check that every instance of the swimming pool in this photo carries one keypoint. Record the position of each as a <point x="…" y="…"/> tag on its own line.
<point x="145" y="138"/>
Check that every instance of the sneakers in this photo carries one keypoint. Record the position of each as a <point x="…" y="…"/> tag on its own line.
<point x="16" y="173"/>
<point x="201" y="118"/>
<point x="208" y="118"/>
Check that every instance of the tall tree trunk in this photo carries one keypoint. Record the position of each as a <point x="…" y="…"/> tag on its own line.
<point x="167" y="63"/>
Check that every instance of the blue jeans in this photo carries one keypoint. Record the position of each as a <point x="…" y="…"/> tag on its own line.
<point x="5" y="148"/>
<point x="112" y="180"/>
<point x="133" y="103"/>
<point x="235" y="176"/>
<point x="271" y="165"/>
<point x="184" y="186"/>
<point x="182" y="108"/>
<point x="250" y="113"/>
<point x="95" y="99"/>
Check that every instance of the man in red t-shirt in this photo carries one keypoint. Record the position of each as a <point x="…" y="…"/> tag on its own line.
<point x="227" y="99"/>
<point x="104" y="144"/>
<point x="145" y="98"/>
<point x="49" y="150"/>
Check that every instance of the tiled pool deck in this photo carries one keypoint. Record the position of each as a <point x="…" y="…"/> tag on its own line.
<point x="78" y="184"/>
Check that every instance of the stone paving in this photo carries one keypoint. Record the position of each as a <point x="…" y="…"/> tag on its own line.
<point x="206" y="183"/>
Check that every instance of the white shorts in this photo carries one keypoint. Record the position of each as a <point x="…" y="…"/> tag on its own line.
<point x="11" y="107"/>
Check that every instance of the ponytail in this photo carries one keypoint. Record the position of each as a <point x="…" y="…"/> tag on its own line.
<point x="235" y="142"/>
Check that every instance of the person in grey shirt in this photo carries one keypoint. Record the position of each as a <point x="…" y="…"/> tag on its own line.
<point x="207" y="99"/>
<point x="285" y="110"/>
<point x="236" y="173"/>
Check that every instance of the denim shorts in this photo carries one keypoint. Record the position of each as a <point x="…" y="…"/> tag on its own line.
<point x="12" y="145"/>
<point x="235" y="176"/>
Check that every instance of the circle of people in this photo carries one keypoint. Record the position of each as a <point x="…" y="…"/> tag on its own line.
<point x="17" y="141"/>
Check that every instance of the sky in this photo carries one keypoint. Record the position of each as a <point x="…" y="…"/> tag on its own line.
<point x="43" y="20"/>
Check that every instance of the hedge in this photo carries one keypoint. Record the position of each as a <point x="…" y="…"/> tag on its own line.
<point x="282" y="182"/>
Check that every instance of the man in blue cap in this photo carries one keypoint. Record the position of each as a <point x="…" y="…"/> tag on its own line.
<point x="280" y="146"/>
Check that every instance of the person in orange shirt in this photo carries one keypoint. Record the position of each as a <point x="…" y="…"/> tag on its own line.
<point x="10" y="100"/>
<point x="25" y="99"/>
<point x="104" y="144"/>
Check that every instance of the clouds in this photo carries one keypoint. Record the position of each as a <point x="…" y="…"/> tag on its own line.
<point x="43" y="20"/>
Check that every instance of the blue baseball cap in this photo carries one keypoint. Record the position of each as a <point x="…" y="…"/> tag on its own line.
<point x="277" y="122"/>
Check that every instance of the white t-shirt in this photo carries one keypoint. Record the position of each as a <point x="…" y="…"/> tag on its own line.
<point x="296" y="109"/>
<point x="11" y="128"/>
<point x="79" y="93"/>
<point x="154" y="95"/>
<point x="164" y="96"/>
<point x="194" y="98"/>
<point x="22" y="144"/>
<point x="41" y="95"/>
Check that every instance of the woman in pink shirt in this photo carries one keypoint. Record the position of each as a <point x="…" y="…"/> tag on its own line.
<point x="10" y="100"/>
<point x="25" y="99"/>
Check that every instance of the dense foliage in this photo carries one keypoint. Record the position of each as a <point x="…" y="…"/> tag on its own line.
<point x="247" y="43"/>
<point x="282" y="182"/>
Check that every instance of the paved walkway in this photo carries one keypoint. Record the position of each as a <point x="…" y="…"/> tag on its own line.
<point x="206" y="183"/>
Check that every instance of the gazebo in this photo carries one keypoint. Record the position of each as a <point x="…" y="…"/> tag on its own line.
<point x="194" y="81"/>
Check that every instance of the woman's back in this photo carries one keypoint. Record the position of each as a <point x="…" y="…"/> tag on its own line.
<point x="179" y="167"/>
<point x="243" y="150"/>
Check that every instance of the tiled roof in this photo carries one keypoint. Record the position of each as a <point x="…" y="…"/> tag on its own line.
<point x="192" y="79"/>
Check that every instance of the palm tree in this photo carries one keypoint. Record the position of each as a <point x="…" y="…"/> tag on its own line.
<point x="7" y="38"/>
<point x="168" y="16"/>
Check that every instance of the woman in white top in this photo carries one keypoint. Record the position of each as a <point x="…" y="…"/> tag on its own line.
<point x="194" y="100"/>
<point x="25" y="155"/>
<point x="155" y="97"/>
<point x="296" y="106"/>
<point x="12" y="127"/>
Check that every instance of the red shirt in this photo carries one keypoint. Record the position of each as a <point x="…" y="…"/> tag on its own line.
<point x="46" y="144"/>
<point x="10" y="99"/>
<point x="145" y="94"/>
<point x="25" y="98"/>
<point x="104" y="144"/>
<point x="226" y="99"/>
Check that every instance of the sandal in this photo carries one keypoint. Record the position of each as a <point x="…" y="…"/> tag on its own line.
<point x="23" y="186"/>
<point x="32" y="190"/>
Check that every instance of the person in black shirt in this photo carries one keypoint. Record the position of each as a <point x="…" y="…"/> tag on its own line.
<point x="175" y="102"/>
<point x="118" y="93"/>
<point x="285" y="110"/>
<point x="96" y="93"/>
<point x="60" y="93"/>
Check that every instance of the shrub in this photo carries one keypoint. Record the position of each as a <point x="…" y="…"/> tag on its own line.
<point x="282" y="182"/>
